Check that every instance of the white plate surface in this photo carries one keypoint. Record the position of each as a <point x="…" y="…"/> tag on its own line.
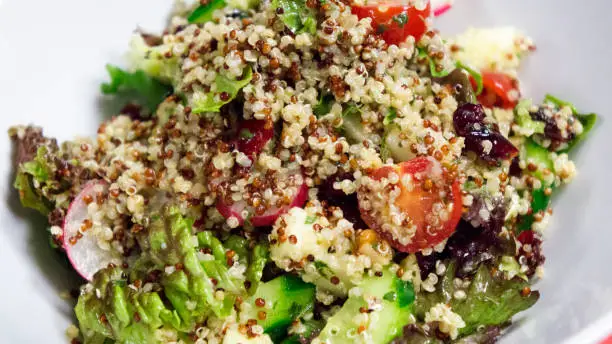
<point x="52" y="57"/>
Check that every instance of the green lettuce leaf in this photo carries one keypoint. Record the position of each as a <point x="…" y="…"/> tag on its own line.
<point x="170" y="243"/>
<point x="108" y="308"/>
<point x="28" y="196"/>
<point x="324" y="104"/>
<point x="139" y="85"/>
<point x="490" y="299"/>
<point x="587" y="120"/>
<point x="211" y="102"/>
<point x="298" y="17"/>
<point x="32" y="177"/>
<point x="204" y="13"/>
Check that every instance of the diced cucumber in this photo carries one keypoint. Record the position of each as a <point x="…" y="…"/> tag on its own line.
<point x="352" y="127"/>
<point x="393" y="145"/>
<point x="388" y="300"/>
<point x="243" y="4"/>
<point x="311" y="329"/>
<point x="286" y="298"/>
<point x="233" y="336"/>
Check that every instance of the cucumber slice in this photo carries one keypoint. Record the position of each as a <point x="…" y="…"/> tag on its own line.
<point x="311" y="329"/>
<point x="383" y="322"/>
<point x="286" y="298"/>
<point x="352" y="127"/>
<point x="393" y="145"/>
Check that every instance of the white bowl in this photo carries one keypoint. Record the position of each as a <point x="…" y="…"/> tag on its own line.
<point x="52" y="57"/>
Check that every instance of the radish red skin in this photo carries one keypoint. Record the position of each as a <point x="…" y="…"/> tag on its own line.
<point x="270" y="216"/>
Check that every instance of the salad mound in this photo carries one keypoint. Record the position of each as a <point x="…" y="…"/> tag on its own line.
<point x="307" y="171"/>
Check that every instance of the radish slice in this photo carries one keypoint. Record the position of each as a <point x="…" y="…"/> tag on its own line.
<point x="269" y="217"/>
<point x="85" y="255"/>
<point x="440" y="7"/>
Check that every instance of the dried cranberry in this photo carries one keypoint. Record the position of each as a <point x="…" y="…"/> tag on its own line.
<point x="468" y="118"/>
<point x="427" y="263"/>
<point x="531" y="250"/>
<point x="337" y="198"/>
<point x="253" y="136"/>
<point x="551" y="129"/>
<point x="469" y="123"/>
<point x="477" y="238"/>
<point x="515" y="168"/>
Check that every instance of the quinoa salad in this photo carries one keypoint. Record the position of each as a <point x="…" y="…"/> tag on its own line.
<point x="306" y="171"/>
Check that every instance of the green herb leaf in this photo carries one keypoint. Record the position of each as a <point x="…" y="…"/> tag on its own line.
<point x="310" y="220"/>
<point x="212" y="102"/>
<point x="559" y="103"/>
<point x="475" y="75"/>
<point x="137" y="85"/>
<point x="298" y="17"/>
<point x="390" y="296"/>
<point x="246" y="134"/>
<point x="433" y="68"/>
<point x="401" y="19"/>
<point x="324" y="105"/>
<point x="28" y="196"/>
<point x="204" y="13"/>
<point x="588" y="122"/>
<point x="391" y="115"/>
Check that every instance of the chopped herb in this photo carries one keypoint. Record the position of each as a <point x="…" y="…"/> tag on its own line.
<point x="212" y="101"/>
<point x="433" y="67"/>
<point x="391" y="115"/>
<point x="297" y="16"/>
<point x="390" y="296"/>
<point x="246" y="134"/>
<point x="324" y="105"/>
<point x="381" y="29"/>
<point x="204" y="13"/>
<point x="560" y="103"/>
<point x="137" y="85"/>
<point x="310" y="220"/>
<point x="401" y="19"/>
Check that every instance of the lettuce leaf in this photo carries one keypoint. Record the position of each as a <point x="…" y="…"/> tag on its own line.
<point x="28" y="196"/>
<point x="108" y="308"/>
<point x="211" y="101"/>
<point x="587" y="120"/>
<point x="170" y="243"/>
<point x="33" y="173"/>
<point x="204" y="13"/>
<point x="490" y="299"/>
<point x="298" y="17"/>
<point x="137" y="85"/>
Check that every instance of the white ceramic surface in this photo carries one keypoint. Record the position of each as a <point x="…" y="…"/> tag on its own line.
<point x="52" y="57"/>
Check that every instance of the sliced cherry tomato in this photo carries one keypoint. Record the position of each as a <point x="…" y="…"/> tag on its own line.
<point x="432" y="203"/>
<point x="499" y="90"/>
<point x="253" y="136"/>
<point x="395" y="21"/>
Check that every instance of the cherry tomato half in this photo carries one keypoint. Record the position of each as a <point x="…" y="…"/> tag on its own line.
<point x="395" y="21"/>
<point x="499" y="90"/>
<point x="432" y="203"/>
